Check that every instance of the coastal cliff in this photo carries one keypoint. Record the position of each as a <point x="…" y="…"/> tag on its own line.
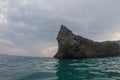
<point x="71" y="46"/>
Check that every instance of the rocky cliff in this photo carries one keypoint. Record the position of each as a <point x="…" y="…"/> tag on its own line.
<point x="71" y="46"/>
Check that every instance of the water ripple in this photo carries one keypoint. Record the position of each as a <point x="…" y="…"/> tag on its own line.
<point x="30" y="68"/>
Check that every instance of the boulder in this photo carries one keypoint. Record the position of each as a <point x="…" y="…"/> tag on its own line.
<point x="71" y="46"/>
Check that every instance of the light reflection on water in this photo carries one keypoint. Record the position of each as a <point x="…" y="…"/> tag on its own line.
<point x="29" y="68"/>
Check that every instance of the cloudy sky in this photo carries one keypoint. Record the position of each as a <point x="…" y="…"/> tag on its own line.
<point x="29" y="27"/>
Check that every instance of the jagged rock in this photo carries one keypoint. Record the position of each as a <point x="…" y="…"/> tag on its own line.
<point x="71" y="46"/>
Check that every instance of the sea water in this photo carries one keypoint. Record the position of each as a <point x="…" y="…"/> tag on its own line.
<point x="37" y="68"/>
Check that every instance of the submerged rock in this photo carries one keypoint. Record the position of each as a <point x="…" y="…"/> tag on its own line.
<point x="71" y="46"/>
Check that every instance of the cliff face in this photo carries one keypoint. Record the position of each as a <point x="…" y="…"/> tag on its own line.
<point x="71" y="46"/>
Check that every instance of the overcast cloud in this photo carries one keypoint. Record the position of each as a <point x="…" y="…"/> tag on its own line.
<point x="29" y="27"/>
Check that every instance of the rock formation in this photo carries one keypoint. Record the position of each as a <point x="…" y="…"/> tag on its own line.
<point x="71" y="46"/>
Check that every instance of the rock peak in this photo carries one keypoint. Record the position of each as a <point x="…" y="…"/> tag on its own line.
<point x="64" y="29"/>
<point x="64" y="34"/>
<point x="71" y="46"/>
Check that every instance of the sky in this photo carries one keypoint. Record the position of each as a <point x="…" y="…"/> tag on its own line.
<point x="30" y="27"/>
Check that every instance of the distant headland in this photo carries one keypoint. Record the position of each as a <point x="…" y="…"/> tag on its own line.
<point x="71" y="46"/>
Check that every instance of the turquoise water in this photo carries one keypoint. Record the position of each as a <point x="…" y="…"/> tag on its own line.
<point x="31" y="68"/>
